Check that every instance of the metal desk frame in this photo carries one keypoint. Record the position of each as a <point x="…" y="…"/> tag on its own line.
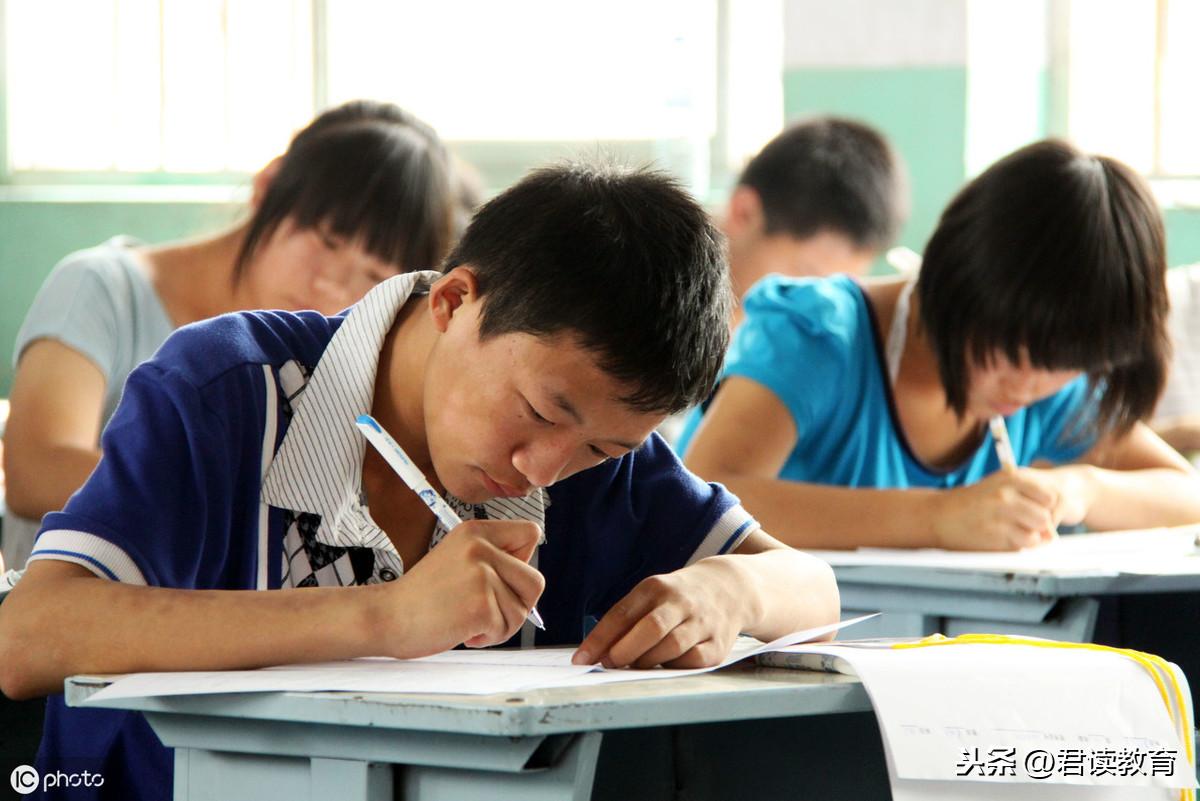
<point x="917" y="601"/>
<point x="535" y="746"/>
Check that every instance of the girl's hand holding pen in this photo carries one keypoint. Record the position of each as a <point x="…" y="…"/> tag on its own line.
<point x="1006" y="511"/>
<point x="475" y="587"/>
<point x="1009" y="509"/>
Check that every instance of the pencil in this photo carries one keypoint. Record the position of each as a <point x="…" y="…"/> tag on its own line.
<point x="1004" y="451"/>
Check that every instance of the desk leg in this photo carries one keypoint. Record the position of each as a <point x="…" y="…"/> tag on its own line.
<point x="570" y="778"/>
<point x="342" y="778"/>
<point x="202" y="775"/>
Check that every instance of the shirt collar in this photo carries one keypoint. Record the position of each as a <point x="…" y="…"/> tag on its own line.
<point x="318" y="466"/>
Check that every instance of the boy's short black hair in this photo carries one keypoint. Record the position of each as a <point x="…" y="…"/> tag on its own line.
<point x="830" y="174"/>
<point x="373" y="174"/>
<point x="1061" y="255"/>
<point x="623" y="260"/>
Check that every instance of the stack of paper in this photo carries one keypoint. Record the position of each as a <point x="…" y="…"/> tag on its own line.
<point x="1011" y="721"/>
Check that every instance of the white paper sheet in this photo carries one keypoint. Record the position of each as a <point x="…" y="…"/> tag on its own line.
<point x="744" y="648"/>
<point x="1145" y="552"/>
<point x="359" y="675"/>
<point x="942" y="708"/>
<point x="469" y="672"/>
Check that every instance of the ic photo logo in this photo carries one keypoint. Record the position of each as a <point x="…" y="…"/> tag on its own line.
<point x="24" y="779"/>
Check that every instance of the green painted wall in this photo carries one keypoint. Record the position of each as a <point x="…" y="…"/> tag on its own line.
<point x="923" y="111"/>
<point x="1183" y="236"/>
<point x="35" y="235"/>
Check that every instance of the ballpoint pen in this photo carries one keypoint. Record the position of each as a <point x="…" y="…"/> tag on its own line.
<point x="395" y="456"/>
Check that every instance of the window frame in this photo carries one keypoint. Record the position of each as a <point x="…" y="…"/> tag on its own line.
<point x="719" y="171"/>
<point x="156" y="183"/>
<point x="1060" y="70"/>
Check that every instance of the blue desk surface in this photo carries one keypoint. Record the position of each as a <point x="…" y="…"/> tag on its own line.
<point x="533" y="746"/>
<point x="740" y="692"/>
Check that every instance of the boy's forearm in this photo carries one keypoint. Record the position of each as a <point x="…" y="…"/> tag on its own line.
<point x="1141" y="498"/>
<point x="818" y="516"/>
<point x="786" y="591"/>
<point x="53" y="629"/>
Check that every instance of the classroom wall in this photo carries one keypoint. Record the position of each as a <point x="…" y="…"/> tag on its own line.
<point x="35" y="235"/>
<point x="1183" y="236"/>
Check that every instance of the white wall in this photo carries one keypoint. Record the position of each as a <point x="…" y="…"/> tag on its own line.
<point x="875" y="33"/>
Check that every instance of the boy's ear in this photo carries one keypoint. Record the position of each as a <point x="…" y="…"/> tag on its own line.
<point x="745" y="214"/>
<point x="262" y="181"/>
<point x="450" y="293"/>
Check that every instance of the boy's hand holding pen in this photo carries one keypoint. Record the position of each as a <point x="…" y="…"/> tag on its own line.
<point x="478" y="580"/>
<point x="475" y="588"/>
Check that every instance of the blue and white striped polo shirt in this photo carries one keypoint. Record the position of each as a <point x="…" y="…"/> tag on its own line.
<point x="229" y="464"/>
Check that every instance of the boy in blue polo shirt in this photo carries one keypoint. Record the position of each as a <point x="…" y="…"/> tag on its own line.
<point x="581" y="307"/>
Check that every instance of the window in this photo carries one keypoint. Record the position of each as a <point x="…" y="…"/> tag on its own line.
<point x="547" y="76"/>
<point x="154" y="86"/>
<point x="1007" y="60"/>
<point x="206" y="89"/>
<point x="1129" y="71"/>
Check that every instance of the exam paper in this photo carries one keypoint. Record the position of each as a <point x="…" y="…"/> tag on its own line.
<point x="469" y="672"/>
<point x="744" y="648"/>
<point x="1143" y="551"/>
<point x="374" y="675"/>
<point x="984" y="721"/>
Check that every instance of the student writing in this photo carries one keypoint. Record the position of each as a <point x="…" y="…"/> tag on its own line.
<point x="580" y="307"/>
<point x="361" y="194"/>
<point x="856" y="414"/>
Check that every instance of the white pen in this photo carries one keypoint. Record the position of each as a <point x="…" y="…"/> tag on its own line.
<point x="1004" y="451"/>
<point x="395" y="456"/>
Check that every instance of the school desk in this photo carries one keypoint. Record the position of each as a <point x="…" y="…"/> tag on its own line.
<point x="722" y="733"/>
<point x="916" y="601"/>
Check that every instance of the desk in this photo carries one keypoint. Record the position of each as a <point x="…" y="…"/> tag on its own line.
<point x="917" y="601"/>
<point x="533" y="746"/>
